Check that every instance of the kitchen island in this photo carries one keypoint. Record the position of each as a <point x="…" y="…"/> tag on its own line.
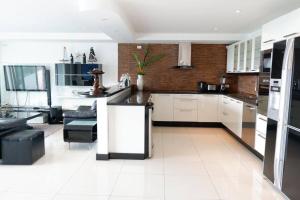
<point x="129" y="127"/>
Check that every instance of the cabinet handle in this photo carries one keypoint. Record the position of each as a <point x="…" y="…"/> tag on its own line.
<point x="264" y="87"/>
<point x="288" y="35"/>
<point x="187" y="99"/>
<point x="262" y="119"/>
<point x="185" y="110"/>
<point x="260" y="135"/>
<point x="250" y="107"/>
<point x="269" y="41"/>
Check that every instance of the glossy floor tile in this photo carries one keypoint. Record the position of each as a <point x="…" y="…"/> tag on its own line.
<point x="188" y="164"/>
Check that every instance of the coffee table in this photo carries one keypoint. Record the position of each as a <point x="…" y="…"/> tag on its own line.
<point x="20" y="115"/>
<point x="81" y="131"/>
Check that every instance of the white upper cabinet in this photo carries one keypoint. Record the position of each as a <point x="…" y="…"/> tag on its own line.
<point x="230" y="61"/>
<point x="244" y="56"/>
<point x="280" y="28"/>
<point x="241" y="66"/>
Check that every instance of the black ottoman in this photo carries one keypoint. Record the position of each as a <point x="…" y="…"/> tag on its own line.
<point x="23" y="147"/>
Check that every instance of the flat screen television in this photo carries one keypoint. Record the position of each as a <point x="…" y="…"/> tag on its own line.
<point x="25" y="78"/>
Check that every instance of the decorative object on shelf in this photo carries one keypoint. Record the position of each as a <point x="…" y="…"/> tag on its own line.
<point x="65" y="55"/>
<point x="84" y="59"/>
<point x="144" y="61"/>
<point x="78" y="58"/>
<point x="98" y="87"/>
<point x="71" y="59"/>
<point x="92" y="56"/>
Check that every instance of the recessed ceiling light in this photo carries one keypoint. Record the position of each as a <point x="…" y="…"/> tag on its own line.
<point x="237" y="11"/>
<point x="216" y="28"/>
<point x="104" y="19"/>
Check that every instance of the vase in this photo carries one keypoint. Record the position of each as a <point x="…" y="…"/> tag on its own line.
<point x="140" y="82"/>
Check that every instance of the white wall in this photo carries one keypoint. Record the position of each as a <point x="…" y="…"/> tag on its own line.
<point x="48" y="53"/>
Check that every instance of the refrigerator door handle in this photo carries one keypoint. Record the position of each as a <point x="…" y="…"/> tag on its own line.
<point x="294" y="128"/>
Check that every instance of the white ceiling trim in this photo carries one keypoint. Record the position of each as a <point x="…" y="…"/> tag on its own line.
<point x="209" y="38"/>
<point x="55" y="36"/>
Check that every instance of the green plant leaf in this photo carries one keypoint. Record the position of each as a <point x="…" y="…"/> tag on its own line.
<point x="154" y="59"/>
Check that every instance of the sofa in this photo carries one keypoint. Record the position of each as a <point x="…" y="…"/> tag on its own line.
<point x="82" y="113"/>
<point x="9" y="126"/>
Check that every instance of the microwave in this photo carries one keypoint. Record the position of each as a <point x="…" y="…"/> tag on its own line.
<point x="266" y="60"/>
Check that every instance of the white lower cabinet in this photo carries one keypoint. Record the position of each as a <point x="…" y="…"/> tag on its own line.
<point x="185" y="107"/>
<point x="260" y="133"/>
<point x="208" y="108"/>
<point x="260" y="143"/>
<point x="163" y="107"/>
<point x="232" y="114"/>
<point x="199" y="108"/>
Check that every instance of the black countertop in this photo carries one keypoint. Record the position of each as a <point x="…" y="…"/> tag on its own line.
<point x="142" y="98"/>
<point x="184" y="92"/>
<point x="134" y="99"/>
<point x="247" y="98"/>
<point x="250" y="99"/>
<point x="107" y="93"/>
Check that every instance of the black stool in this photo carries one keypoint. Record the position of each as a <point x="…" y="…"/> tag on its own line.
<point x="23" y="147"/>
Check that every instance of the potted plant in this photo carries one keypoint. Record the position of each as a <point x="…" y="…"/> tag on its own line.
<point x="142" y="62"/>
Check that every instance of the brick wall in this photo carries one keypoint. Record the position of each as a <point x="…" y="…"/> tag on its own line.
<point x="247" y="84"/>
<point x="209" y="61"/>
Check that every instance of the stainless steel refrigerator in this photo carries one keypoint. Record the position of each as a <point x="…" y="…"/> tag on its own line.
<point x="282" y="154"/>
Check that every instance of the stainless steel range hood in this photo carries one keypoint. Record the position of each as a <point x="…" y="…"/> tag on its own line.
<point x="184" y="56"/>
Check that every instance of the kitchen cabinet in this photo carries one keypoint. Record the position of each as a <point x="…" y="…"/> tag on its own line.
<point x="260" y="143"/>
<point x="232" y="115"/>
<point x="225" y="111"/>
<point x="208" y="108"/>
<point x="230" y="60"/>
<point x="163" y="107"/>
<point x="260" y="134"/>
<point x="220" y="108"/>
<point x="249" y="55"/>
<point x="241" y="66"/>
<point x="185" y="107"/>
<point x="244" y="56"/>
<point x="280" y="28"/>
<point x="236" y="116"/>
<point x="236" y="57"/>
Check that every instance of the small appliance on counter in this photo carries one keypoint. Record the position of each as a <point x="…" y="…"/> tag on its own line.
<point x="224" y="86"/>
<point x="212" y="88"/>
<point x="206" y="87"/>
<point x="202" y="86"/>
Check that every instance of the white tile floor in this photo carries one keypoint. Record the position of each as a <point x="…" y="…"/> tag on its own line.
<point x="188" y="164"/>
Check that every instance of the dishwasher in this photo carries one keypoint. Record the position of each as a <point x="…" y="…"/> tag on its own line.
<point x="248" y="124"/>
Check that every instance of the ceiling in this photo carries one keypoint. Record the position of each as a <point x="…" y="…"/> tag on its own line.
<point x="129" y="19"/>
<point x="203" y="16"/>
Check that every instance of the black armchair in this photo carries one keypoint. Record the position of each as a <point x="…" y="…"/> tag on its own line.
<point x="82" y="113"/>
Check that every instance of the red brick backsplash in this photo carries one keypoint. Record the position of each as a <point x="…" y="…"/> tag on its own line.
<point x="247" y="84"/>
<point x="208" y="60"/>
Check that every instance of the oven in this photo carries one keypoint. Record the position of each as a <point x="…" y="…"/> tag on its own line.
<point x="263" y="93"/>
<point x="266" y="61"/>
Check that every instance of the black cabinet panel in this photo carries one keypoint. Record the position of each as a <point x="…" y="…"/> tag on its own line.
<point x="270" y="149"/>
<point x="294" y="119"/>
<point x="75" y="74"/>
<point x="277" y="60"/>
<point x="291" y="170"/>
